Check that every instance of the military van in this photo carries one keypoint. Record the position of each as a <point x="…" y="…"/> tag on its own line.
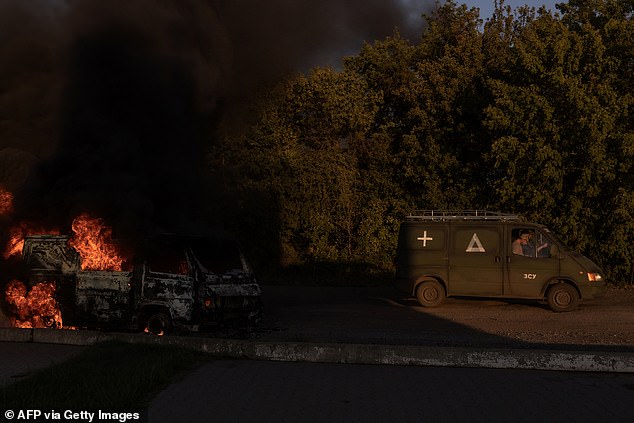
<point x="489" y="254"/>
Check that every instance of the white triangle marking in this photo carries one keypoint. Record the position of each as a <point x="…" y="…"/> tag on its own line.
<point x="475" y="246"/>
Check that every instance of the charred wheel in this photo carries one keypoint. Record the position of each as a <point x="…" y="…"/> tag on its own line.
<point x="159" y="323"/>
<point x="562" y="297"/>
<point x="430" y="293"/>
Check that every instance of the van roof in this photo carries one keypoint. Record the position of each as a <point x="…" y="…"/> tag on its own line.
<point x="446" y="215"/>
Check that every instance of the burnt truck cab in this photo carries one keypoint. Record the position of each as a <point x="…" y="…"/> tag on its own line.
<point x="488" y="254"/>
<point x="202" y="282"/>
<point x="179" y="282"/>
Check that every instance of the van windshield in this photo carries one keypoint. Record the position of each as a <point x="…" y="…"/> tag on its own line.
<point x="558" y="242"/>
<point x="217" y="256"/>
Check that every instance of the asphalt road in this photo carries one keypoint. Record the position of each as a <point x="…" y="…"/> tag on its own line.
<point x="257" y="391"/>
<point x="265" y="391"/>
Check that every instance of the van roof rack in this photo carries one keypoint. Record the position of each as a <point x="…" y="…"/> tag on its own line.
<point x="444" y="215"/>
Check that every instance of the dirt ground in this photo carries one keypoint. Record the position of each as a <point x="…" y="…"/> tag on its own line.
<point x="605" y="321"/>
<point x="380" y="315"/>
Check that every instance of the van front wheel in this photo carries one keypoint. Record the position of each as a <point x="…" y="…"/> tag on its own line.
<point x="430" y="293"/>
<point x="562" y="297"/>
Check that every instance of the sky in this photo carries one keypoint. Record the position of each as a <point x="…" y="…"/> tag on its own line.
<point x="486" y="6"/>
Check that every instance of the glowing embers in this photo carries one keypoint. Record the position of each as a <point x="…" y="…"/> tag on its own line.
<point x="6" y="202"/>
<point x="92" y="239"/>
<point x="16" y="238"/>
<point x="34" y="308"/>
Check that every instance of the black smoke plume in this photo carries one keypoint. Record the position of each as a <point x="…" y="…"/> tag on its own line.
<point x="109" y="107"/>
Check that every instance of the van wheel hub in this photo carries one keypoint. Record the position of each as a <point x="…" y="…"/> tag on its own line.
<point x="562" y="298"/>
<point x="430" y="293"/>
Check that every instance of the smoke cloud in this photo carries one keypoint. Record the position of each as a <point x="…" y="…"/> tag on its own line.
<point x="109" y="107"/>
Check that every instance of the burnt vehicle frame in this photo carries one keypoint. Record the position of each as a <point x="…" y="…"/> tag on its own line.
<point x="178" y="282"/>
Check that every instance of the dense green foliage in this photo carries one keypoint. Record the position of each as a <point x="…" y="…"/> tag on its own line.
<point x="529" y="113"/>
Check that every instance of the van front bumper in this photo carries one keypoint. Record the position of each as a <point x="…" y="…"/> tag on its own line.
<point x="591" y="292"/>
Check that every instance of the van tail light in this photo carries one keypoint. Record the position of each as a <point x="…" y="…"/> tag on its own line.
<point x="594" y="277"/>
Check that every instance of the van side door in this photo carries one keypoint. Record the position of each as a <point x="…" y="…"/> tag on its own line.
<point x="103" y="295"/>
<point x="475" y="260"/>
<point x="530" y="263"/>
<point x="168" y="281"/>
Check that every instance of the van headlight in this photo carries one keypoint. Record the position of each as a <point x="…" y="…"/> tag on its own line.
<point x="594" y="277"/>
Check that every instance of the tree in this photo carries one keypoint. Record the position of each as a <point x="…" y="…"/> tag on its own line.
<point x="430" y="115"/>
<point x="530" y="113"/>
<point x="559" y="133"/>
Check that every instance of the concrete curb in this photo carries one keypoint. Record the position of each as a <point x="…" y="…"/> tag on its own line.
<point x="403" y="355"/>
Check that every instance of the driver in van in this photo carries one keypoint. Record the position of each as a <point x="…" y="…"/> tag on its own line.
<point x="520" y="245"/>
<point x="524" y="245"/>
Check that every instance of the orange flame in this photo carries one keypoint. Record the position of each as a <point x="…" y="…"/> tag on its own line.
<point x="93" y="242"/>
<point x="15" y="243"/>
<point x="36" y="308"/>
<point x="147" y="330"/>
<point x="19" y="232"/>
<point x="17" y="235"/>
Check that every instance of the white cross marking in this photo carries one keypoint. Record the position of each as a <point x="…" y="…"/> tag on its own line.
<point x="424" y="238"/>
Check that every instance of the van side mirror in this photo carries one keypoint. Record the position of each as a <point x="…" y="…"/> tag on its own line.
<point x="554" y="251"/>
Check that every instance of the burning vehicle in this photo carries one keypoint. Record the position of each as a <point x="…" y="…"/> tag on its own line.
<point x="178" y="282"/>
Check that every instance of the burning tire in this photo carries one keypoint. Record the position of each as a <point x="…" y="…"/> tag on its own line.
<point x="159" y="324"/>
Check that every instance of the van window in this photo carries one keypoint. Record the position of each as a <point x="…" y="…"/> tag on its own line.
<point x="168" y="258"/>
<point x="529" y="242"/>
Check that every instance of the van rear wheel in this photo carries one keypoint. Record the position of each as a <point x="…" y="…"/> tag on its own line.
<point x="562" y="297"/>
<point x="430" y="293"/>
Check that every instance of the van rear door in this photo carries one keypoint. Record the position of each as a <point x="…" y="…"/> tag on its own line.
<point x="475" y="260"/>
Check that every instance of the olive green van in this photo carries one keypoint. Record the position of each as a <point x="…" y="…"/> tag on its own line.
<point x="488" y="254"/>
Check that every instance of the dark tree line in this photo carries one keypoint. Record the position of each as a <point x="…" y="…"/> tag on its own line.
<point x="529" y="112"/>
